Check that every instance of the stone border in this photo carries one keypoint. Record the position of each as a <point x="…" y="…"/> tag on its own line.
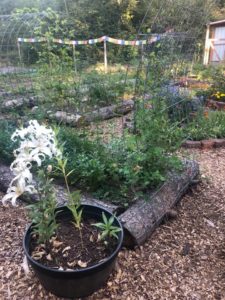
<point x="204" y="144"/>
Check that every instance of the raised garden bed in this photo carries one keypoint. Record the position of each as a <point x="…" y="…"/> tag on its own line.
<point x="140" y="219"/>
<point x="100" y="114"/>
<point x="213" y="104"/>
<point x="204" y="144"/>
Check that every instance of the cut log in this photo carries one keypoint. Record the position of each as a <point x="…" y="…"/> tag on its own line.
<point x="103" y="113"/>
<point x="63" y="117"/>
<point x="61" y="195"/>
<point x="16" y="103"/>
<point x="141" y="219"/>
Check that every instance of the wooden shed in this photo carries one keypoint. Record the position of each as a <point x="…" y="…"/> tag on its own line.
<point x="215" y="43"/>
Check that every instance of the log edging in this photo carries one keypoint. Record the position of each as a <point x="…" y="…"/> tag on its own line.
<point x="143" y="217"/>
<point x="101" y="114"/>
<point x="204" y="144"/>
<point x="219" y="105"/>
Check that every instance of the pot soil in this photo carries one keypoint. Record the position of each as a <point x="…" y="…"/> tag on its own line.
<point x="74" y="263"/>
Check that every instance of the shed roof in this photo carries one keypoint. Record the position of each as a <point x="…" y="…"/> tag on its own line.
<point x="216" y="23"/>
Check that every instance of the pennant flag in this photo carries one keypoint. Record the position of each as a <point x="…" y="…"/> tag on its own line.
<point x="93" y="41"/>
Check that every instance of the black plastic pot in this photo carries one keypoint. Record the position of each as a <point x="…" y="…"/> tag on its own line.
<point x="76" y="283"/>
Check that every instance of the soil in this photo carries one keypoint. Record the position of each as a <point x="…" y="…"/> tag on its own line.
<point x="184" y="259"/>
<point x="72" y="248"/>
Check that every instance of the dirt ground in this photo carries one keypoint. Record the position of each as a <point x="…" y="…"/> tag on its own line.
<point x="183" y="259"/>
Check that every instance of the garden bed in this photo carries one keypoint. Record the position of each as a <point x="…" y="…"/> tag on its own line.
<point x="141" y="218"/>
<point x="219" y="105"/>
<point x="204" y="144"/>
<point x="183" y="259"/>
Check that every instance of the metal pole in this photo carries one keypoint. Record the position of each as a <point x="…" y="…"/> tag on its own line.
<point x="105" y="57"/>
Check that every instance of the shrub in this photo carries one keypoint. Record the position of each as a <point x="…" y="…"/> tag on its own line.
<point x="207" y="125"/>
<point x="6" y="145"/>
<point x="126" y="166"/>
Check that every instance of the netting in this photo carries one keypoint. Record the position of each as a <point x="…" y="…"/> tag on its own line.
<point x="127" y="91"/>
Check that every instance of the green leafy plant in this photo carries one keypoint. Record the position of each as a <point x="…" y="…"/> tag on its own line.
<point x="74" y="197"/>
<point x="6" y="144"/>
<point x="206" y="125"/>
<point x="125" y="166"/>
<point x="42" y="213"/>
<point x="107" y="228"/>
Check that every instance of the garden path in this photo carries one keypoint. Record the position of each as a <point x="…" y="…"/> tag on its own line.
<point x="184" y="259"/>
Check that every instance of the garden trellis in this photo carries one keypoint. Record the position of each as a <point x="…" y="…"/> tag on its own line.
<point x="103" y="39"/>
<point x="60" y="79"/>
<point x="31" y="45"/>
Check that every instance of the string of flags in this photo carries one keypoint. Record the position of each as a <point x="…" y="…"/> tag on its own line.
<point x="92" y="41"/>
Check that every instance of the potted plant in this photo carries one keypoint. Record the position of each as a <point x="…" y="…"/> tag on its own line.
<point x="72" y="248"/>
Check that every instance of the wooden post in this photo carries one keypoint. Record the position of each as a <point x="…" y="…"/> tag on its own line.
<point x="74" y="59"/>
<point x="49" y="55"/>
<point x="207" y="46"/>
<point x="66" y="7"/>
<point x="142" y="52"/>
<point x="18" y="45"/>
<point x="105" y="57"/>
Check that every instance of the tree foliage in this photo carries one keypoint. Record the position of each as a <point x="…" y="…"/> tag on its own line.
<point x="83" y="19"/>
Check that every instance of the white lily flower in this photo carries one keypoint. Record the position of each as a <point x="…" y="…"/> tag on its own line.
<point x="38" y="158"/>
<point x="14" y="192"/>
<point x="21" y="133"/>
<point x="41" y="146"/>
<point x="25" y="176"/>
<point x="20" y="165"/>
<point x="40" y="130"/>
<point x="36" y="143"/>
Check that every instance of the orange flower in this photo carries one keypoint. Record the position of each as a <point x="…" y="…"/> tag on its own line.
<point x="206" y="114"/>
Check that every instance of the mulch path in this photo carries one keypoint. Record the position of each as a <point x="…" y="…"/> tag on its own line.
<point x="183" y="259"/>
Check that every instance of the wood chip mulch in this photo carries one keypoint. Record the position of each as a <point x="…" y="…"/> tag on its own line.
<point x="183" y="259"/>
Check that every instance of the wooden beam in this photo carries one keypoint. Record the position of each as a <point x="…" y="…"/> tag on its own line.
<point x="207" y="47"/>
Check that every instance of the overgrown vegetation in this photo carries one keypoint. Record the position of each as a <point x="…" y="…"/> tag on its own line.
<point x="210" y="124"/>
<point x="127" y="166"/>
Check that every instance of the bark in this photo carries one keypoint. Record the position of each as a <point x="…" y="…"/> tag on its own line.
<point x="141" y="219"/>
<point x="103" y="113"/>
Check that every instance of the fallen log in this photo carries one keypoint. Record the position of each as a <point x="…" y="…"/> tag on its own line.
<point x="19" y="102"/>
<point x="141" y="219"/>
<point x="61" y="195"/>
<point x="100" y="114"/>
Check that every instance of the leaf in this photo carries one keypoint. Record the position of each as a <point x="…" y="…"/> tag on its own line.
<point x="104" y="234"/>
<point x="57" y="244"/>
<point x="114" y="234"/>
<point x="99" y="225"/>
<point x="68" y="174"/>
<point x="82" y="264"/>
<point x="104" y="218"/>
<point x="111" y="220"/>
